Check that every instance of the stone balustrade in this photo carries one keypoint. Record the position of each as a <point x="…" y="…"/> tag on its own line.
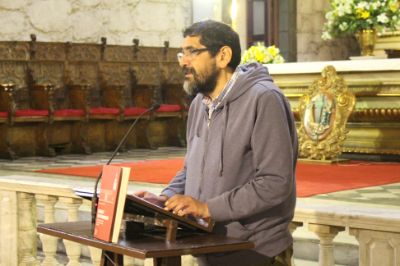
<point x="24" y="203"/>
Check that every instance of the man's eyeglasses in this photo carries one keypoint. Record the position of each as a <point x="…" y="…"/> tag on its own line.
<point x="190" y="53"/>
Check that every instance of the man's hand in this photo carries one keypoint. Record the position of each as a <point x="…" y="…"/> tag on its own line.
<point x="185" y="205"/>
<point x="152" y="198"/>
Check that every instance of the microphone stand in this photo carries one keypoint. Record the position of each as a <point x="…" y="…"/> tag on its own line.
<point x="94" y="197"/>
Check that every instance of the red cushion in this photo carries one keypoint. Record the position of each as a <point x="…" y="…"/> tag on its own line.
<point x="165" y="108"/>
<point x="31" y="112"/>
<point x="69" y="113"/>
<point x="104" y="111"/>
<point x="132" y="111"/>
<point x="3" y="114"/>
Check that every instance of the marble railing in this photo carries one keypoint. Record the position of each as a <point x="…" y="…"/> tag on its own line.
<point x="24" y="204"/>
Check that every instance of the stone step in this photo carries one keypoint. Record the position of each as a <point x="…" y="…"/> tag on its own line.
<point x="300" y="262"/>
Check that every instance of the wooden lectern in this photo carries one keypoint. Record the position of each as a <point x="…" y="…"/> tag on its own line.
<point x="168" y="237"/>
<point x="163" y="252"/>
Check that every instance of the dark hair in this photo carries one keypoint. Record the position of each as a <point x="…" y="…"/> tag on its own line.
<point x="214" y="35"/>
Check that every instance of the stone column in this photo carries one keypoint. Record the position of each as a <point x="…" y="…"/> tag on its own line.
<point x="292" y="227"/>
<point x="189" y="260"/>
<point x="377" y="247"/>
<point x="95" y="255"/>
<point x="49" y="243"/>
<point x="72" y="249"/>
<point x="326" y="234"/>
<point x="27" y="246"/>
<point x="8" y="228"/>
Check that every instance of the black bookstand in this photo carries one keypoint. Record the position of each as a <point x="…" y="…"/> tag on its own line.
<point x="145" y="218"/>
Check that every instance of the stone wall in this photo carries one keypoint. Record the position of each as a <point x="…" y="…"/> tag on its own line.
<point x="151" y="21"/>
<point x="310" y="46"/>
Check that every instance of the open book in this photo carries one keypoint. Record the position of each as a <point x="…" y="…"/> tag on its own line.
<point x="139" y="206"/>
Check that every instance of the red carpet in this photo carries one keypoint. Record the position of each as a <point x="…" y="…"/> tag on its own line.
<point x="312" y="179"/>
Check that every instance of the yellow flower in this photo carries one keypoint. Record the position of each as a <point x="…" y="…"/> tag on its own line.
<point x="272" y="50"/>
<point x="394" y="6"/>
<point x="361" y="13"/>
<point x="259" y="56"/>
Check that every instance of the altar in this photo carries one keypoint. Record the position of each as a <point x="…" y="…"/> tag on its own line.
<point x="374" y="125"/>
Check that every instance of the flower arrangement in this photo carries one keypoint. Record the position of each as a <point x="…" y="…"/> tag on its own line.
<point x="350" y="16"/>
<point x="263" y="55"/>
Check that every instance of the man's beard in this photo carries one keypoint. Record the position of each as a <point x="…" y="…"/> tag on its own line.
<point x="204" y="86"/>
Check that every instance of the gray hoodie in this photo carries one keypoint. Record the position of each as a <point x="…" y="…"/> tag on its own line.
<point x="243" y="163"/>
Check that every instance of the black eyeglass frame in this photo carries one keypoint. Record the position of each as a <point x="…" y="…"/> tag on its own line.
<point x="191" y="53"/>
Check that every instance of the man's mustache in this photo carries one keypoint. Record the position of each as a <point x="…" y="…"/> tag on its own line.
<point x="187" y="70"/>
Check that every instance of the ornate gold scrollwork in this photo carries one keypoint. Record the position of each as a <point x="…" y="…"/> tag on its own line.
<point x="324" y="111"/>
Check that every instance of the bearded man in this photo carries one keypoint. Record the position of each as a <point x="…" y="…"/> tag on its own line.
<point x="241" y="156"/>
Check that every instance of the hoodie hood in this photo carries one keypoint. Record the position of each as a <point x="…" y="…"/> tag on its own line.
<point x="247" y="76"/>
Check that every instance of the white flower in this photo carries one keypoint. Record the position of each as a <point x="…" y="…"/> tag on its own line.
<point x="347" y="8"/>
<point x="329" y="15"/>
<point x="341" y="11"/>
<point x="326" y="36"/>
<point x="376" y="5"/>
<point x="363" y="5"/>
<point x="278" y="60"/>
<point x="343" y="26"/>
<point x="382" y="18"/>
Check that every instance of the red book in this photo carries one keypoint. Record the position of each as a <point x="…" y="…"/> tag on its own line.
<point x="108" y="200"/>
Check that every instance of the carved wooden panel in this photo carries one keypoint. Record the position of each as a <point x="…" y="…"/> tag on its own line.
<point x="142" y="95"/>
<point x="47" y="72"/>
<point x="6" y="98"/>
<point x="146" y="73"/>
<point x="114" y="74"/>
<point x="78" y="96"/>
<point x="172" y="73"/>
<point x="13" y="72"/>
<point x="80" y="73"/>
<point x="150" y="54"/>
<point x="48" y="51"/>
<point x="14" y="51"/>
<point x="117" y="53"/>
<point x="114" y="96"/>
<point x="173" y="94"/>
<point x="95" y="96"/>
<point x="41" y="97"/>
<point x="83" y="52"/>
<point x="170" y="55"/>
<point x="21" y="97"/>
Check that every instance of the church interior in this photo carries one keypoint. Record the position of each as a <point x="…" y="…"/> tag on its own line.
<point x="76" y="75"/>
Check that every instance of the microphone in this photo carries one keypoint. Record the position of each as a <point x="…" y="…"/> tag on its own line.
<point x="154" y="107"/>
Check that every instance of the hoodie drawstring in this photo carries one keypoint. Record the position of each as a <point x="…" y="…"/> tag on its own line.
<point x="225" y="114"/>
